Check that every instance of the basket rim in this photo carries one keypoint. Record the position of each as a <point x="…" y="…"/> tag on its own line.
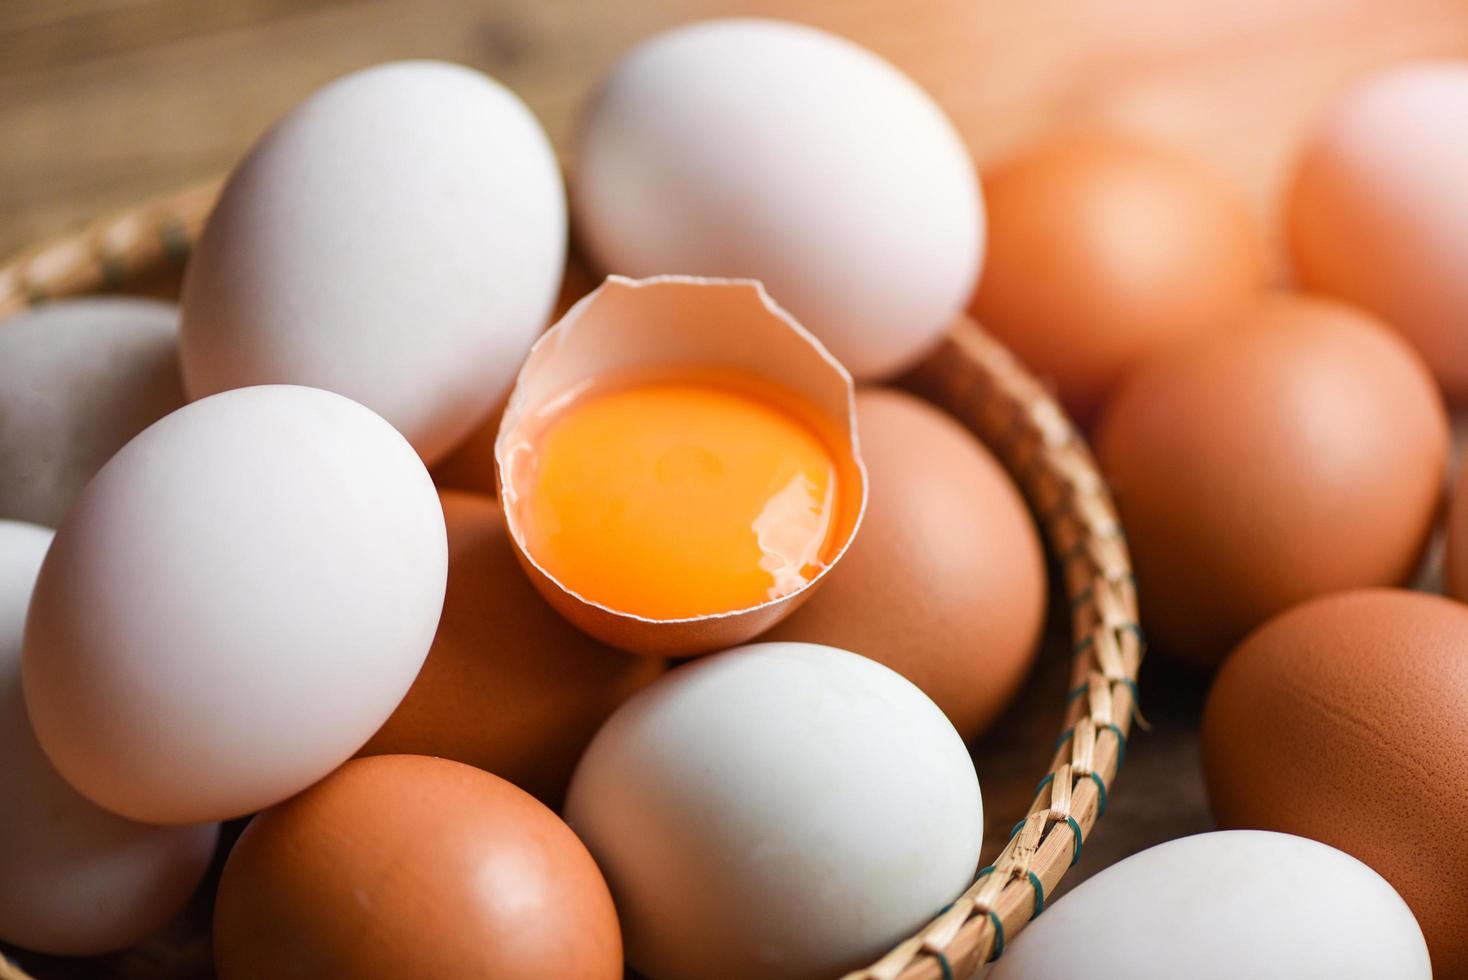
<point x="977" y="380"/>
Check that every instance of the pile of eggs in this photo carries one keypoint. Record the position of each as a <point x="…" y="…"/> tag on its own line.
<point x="654" y="636"/>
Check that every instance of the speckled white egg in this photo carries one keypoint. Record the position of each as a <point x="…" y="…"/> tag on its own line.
<point x="234" y="605"/>
<point x="1235" y="903"/>
<point x="75" y="880"/>
<point x="78" y="378"/>
<point x="780" y="810"/>
<point x="397" y="238"/>
<point x="774" y="151"/>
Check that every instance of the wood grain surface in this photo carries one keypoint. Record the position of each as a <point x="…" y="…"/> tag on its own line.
<point x="104" y="102"/>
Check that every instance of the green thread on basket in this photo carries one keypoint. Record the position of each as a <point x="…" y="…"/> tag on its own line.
<point x="1075" y="829"/>
<point x="1046" y="780"/>
<point x="1064" y="737"/>
<point x="1076" y="692"/>
<point x="998" y="935"/>
<point x="1101" y="793"/>
<point x="1039" y="888"/>
<point x="1120" y="743"/>
<point x="985" y="870"/>
<point x="943" y="965"/>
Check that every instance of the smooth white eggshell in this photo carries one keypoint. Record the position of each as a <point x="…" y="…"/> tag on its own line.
<point x="75" y="880"/>
<point x="397" y="238"/>
<point x="234" y="605"/>
<point x="1234" y="903"/>
<point x="78" y="379"/>
<point x="782" y="810"/>
<point x="775" y="151"/>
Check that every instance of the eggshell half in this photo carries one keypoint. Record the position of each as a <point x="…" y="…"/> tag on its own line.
<point x="678" y="322"/>
<point x="233" y="606"/>
<point x="1218" y="906"/>
<point x="75" y="880"/>
<point x="78" y="379"/>
<point x="402" y="866"/>
<point x="1344" y="720"/>
<point x="509" y="686"/>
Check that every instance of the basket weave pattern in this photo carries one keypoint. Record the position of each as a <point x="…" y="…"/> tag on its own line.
<point x="978" y="381"/>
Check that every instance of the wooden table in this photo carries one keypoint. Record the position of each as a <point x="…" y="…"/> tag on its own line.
<point x="104" y="102"/>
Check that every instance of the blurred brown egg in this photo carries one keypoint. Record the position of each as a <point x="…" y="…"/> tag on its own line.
<point x="1298" y="452"/>
<point x="404" y="866"/>
<point x="1377" y="213"/>
<point x="945" y="582"/>
<point x="471" y="465"/>
<point x="509" y="686"/>
<point x="1104" y="250"/>
<point x="1455" y="554"/>
<point x="1344" y="720"/>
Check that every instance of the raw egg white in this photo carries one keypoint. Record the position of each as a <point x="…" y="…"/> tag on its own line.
<point x="234" y="605"/>
<point x="1377" y="213"/>
<point x="773" y="151"/>
<point x="75" y="880"/>
<point x="397" y="238"/>
<point x="78" y="379"/>
<point x="1216" y="906"/>
<point x="780" y="810"/>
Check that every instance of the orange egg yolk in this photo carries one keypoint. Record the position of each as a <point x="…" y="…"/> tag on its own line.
<point x="674" y="499"/>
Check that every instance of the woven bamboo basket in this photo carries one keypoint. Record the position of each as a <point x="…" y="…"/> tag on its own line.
<point x="978" y="381"/>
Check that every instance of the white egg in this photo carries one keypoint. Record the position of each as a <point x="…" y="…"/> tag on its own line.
<point x="78" y="378"/>
<point x="75" y="880"/>
<point x="397" y="238"/>
<point x="1235" y="903"/>
<point x="781" y="810"/>
<point x="775" y="151"/>
<point x="234" y="604"/>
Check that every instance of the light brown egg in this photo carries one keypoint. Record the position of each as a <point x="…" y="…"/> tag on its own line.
<point x="1377" y="213"/>
<point x="404" y="866"/>
<point x="509" y="685"/>
<point x="1298" y="452"/>
<point x="1344" y="720"/>
<point x="1104" y="250"/>
<point x="945" y="583"/>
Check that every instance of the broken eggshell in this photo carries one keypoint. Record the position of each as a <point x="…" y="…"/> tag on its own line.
<point x="629" y="326"/>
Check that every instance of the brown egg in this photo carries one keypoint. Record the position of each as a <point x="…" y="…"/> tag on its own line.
<point x="1298" y="452"/>
<point x="1104" y="250"/>
<point x="404" y="866"/>
<point x="1344" y="720"/>
<point x="945" y="582"/>
<point x="1377" y="213"/>
<point x="509" y="686"/>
